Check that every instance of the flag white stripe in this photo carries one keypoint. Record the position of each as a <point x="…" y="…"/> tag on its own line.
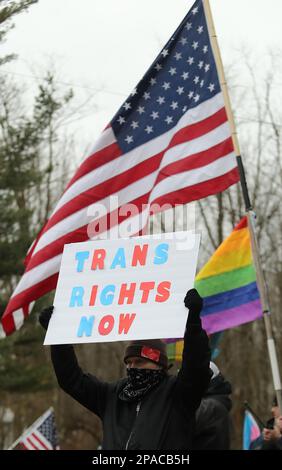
<point x="142" y="153"/>
<point x="2" y="332"/>
<point x="18" y="316"/>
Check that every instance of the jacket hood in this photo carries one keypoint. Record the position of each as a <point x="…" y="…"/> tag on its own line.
<point x="220" y="389"/>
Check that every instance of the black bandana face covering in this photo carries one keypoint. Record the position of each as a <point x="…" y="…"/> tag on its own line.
<point x="139" y="382"/>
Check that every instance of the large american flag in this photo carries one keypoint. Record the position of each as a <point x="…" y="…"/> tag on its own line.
<point x="42" y="435"/>
<point x="169" y="142"/>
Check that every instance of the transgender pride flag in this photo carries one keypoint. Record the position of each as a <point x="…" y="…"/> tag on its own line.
<point x="228" y="283"/>
<point x="251" y="430"/>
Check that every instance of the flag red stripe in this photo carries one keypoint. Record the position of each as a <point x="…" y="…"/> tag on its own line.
<point x="197" y="160"/>
<point x="7" y="319"/>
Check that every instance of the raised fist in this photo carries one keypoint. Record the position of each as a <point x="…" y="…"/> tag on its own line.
<point x="194" y="302"/>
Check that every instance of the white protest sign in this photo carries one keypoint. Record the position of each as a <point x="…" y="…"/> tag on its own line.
<point x="124" y="289"/>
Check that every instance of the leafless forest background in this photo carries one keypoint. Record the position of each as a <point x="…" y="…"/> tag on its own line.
<point x="31" y="183"/>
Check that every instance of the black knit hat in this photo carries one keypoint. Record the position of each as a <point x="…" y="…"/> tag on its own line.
<point x="153" y="350"/>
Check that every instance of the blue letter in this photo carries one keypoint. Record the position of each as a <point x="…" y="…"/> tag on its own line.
<point x="161" y="253"/>
<point x="81" y="256"/>
<point x="119" y="259"/>
<point x="85" y="326"/>
<point x="107" y="295"/>
<point x="76" y="297"/>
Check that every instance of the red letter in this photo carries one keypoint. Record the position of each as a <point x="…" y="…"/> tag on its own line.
<point x="139" y="255"/>
<point x="106" y="325"/>
<point x="125" y="322"/>
<point x="129" y="293"/>
<point x="146" y="287"/>
<point x="98" y="259"/>
<point x="93" y="295"/>
<point x="163" y="291"/>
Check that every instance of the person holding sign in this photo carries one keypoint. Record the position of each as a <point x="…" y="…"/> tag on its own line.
<point x="150" y="409"/>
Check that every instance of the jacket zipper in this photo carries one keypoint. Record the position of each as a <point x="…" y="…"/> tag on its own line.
<point x="137" y="412"/>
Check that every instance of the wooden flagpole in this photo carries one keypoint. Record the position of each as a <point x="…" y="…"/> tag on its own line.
<point x="250" y="214"/>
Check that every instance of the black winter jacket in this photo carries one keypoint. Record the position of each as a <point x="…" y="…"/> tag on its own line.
<point x="213" y="421"/>
<point x="163" y="420"/>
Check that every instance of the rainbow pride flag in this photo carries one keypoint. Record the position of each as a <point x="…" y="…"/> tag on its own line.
<point x="228" y="283"/>
<point x="228" y="286"/>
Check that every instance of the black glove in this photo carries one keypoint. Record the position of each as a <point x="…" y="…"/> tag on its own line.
<point x="45" y="315"/>
<point x="194" y="302"/>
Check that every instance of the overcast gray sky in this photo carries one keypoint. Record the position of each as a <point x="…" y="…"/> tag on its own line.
<point x="111" y="43"/>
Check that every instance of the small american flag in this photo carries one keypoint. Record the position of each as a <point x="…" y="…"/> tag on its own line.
<point x="169" y="143"/>
<point x="42" y="435"/>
